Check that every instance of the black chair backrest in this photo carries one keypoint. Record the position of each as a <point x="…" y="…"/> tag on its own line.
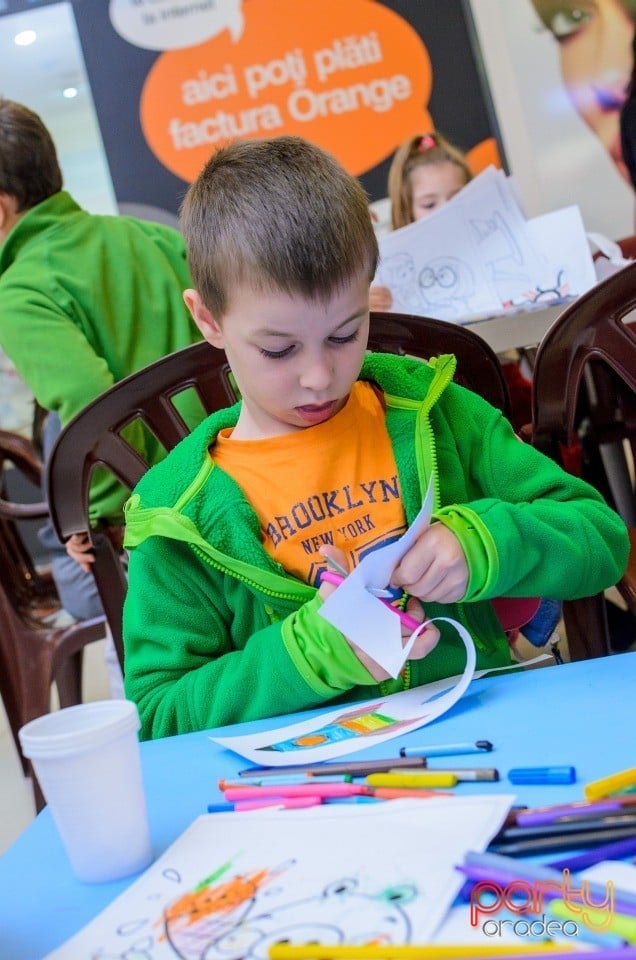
<point x="589" y="330"/>
<point x="94" y="436"/>
<point x="585" y="375"/>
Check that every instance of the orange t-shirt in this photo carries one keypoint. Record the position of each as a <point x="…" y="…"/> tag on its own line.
<point x="334" y="483"/>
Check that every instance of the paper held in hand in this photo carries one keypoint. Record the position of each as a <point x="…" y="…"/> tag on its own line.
<point x="360" y="615"/>
<point x="479" y="255"/>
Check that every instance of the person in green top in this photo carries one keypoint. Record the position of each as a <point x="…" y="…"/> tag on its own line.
<point x="85" y="300"/>
<point x="217" y="630"/>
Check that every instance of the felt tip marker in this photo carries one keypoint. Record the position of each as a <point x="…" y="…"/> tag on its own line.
<point x="542" y="775"/>
<point x="280" y="781"/>
<point x="434" y="951"/>
<point x="244" y="806"/>
<point x="286" y="803"/>
<point x="462" y="773"/>
<point x="607" y="786"/>
<point x="616" y="850"/>
<point x="296" y="790"/>
<point x="406" y="793"/>
<point x="447" y="750"/>
<point x="567" y="841"/>
<point x="563" y="827"/>
<point x="427" y="778"/>
<point x="537" y="818"/>
<point x="355" y="768"/>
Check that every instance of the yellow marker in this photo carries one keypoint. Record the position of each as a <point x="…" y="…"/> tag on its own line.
<point x="410" y="951"/>
<point x="609" y="785"/>
<point x="427" y="778"/>
<point x="618" y="924"/>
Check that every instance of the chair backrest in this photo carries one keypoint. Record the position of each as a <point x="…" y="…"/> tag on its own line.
<point x="591" y="329"/>
<point x="19" y="576"/>
<point x="589" y="353"/>
<point x="94" y="436"/>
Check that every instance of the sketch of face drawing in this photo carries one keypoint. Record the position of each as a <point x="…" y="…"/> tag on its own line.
<point x="399" y="270"/>
<point x="447" y="282"/>
<point x="339" y="913"/>
<point x="594" y="38"/>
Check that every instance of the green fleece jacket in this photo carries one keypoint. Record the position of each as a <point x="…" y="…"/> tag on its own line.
<point x="86" y="300"/>
<point x="216" y="632"/>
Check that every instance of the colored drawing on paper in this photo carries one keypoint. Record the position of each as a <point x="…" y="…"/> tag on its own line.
<point x="241" y="917"/>
<point x="351" y="725"/>
<point x="234" y="884"/>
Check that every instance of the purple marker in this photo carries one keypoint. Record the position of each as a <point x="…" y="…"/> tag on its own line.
<point x="543" y="817"/>
<point x="608" y="851"/>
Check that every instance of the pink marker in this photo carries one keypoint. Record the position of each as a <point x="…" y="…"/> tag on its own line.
<point x="289" y="803"/>
<point x="329" y="576"/>
<point x="296" y="790"/>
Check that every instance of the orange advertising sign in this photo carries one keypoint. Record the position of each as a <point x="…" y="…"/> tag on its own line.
<point x="354" y="78"/>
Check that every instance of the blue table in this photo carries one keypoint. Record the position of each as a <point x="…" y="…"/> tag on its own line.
<point x="582" y="714"/>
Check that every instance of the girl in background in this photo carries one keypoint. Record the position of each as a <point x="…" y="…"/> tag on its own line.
<point x="426" y="172"/>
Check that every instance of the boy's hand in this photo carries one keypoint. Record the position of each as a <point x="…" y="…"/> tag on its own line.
<point x="80" y="548"/>
<point x="425" y="642"/>
<point x="434" y="568"/>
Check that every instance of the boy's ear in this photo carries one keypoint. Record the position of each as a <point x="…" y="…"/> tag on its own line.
<point x="8" y="214"/>
<point x="209" y="327"/>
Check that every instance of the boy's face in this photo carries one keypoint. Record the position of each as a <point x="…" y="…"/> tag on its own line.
<point x="294" y="360"/>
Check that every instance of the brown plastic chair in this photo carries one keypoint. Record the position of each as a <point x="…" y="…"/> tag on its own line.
<point x="33" y="654"/>
<point x="589" y="346"/>
<point x="94" y="436"/>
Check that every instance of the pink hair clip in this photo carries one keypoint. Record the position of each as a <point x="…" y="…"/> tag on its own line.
<point x="427" y="142"/>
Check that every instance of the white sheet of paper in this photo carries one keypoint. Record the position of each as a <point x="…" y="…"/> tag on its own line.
<point x="561" y="236"/>
<point x="479" y="255"/>
<point x="361" y="616"/>
<point x="235" y="883"/>
<point x="356" y="726"/>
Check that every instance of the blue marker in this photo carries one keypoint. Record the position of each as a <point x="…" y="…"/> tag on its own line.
<point x="447" y="750"/>
<point x="542" y="775"/>
<point x="220" y="808"/>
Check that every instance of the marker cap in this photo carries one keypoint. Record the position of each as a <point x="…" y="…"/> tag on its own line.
<point x="542" y="775"/>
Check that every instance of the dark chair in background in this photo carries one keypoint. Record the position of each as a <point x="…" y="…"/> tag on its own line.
<point x="34" y="654"/>
<point x="590" y="348"/>
<point x="94" y="437"/>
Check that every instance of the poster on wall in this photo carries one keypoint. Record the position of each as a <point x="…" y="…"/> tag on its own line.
<point x="173" y="80"/>
<point x="558" y="74"/>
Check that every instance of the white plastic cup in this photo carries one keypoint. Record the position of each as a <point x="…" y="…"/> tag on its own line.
<point x="88" y="763"/>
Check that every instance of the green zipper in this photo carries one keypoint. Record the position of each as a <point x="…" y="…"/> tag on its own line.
<point x="292" y="597"/>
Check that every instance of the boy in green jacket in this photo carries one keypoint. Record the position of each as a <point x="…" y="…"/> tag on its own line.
<point x="329" y="451"/>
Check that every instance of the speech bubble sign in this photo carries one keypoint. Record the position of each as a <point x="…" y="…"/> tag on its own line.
<point x="171" y="24"/>
<point x="354" y="78"/>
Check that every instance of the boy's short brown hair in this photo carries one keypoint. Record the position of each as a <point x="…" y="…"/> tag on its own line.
<point x="275" y="214"/>
<point x="29" y="168"/>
